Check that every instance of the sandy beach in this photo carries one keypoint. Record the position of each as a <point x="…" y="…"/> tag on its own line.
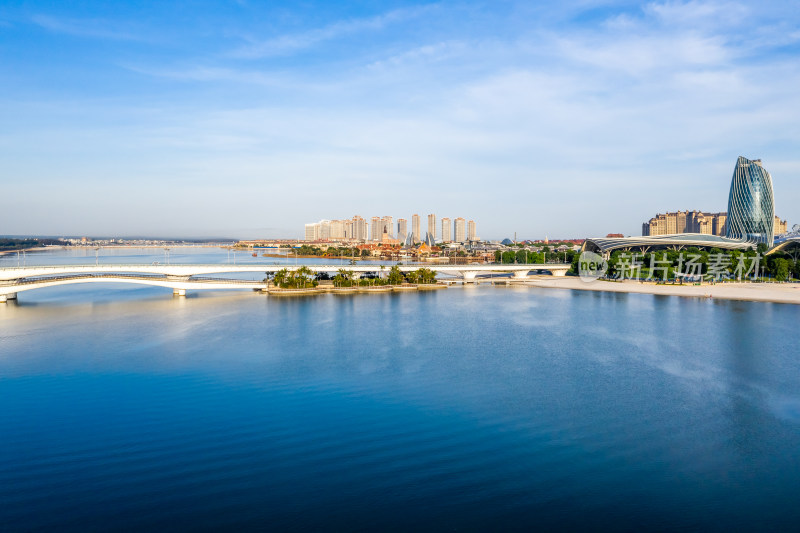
<point x="758" y="292"/>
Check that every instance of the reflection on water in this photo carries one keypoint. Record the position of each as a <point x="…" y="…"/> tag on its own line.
<point x="476" y="408"/>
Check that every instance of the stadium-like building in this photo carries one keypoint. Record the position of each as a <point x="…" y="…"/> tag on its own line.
<point x="751" y="207"/>
<point x="751" y="215"/>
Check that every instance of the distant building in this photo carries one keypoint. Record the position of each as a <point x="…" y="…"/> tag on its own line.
<point x="359" y="228"/>
<point x="780" y="226"/>
<point x="432" y="226"/>
<point x="375" y="229"/>
<point x="337" y="230"/>
<point x="460" y="230"/>
<point x="447" y="230"/>
<point x="402" y="229"/>
<point x="685" y="222"/>
<point x="382" y="230"/>
<point x="387" y="227"/>
<point x="312" y="232"/>
<point x="694" y="222"/>
<point x="318" y="231"/>
<point x="472" y="231"/>
<point x="614" y="236"/>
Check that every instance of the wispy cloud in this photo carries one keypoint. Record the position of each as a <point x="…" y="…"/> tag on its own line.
<point x="291" y="43"/>
<point x="591" y="112"/>
<point x="88" y="28"/>
<point x="696" y="14"/>
<point x="201" y="73"/>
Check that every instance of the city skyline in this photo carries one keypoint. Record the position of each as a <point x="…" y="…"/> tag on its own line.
<point x="244" y="120"/>
<point x="381" y="228"/>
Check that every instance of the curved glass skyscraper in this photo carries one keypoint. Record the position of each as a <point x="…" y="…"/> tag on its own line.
<point x="751" y="210"/>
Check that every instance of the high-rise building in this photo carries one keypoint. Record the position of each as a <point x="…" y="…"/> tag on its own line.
<point x="460" y="230"/>
<point x="432" y="225"/>
<point x="387" y="228"/>
<point x="447" y="230"/>
<point x="324" y="230"/>
<point x="416" y="231"/>
<point x="402" y="229"/>
<point x="375" y="229"/>
<point x="312" y="232"/>
<point x="360" y="227"/>
<point x="318" y="231"/>
<point x="337" y="230"/>
<point x="472" y="232"/>
<point x="751" y="208"/>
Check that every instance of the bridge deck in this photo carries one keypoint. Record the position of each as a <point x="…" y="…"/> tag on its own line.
<point x="13" y="273"/>
<point x="183" y="277"/>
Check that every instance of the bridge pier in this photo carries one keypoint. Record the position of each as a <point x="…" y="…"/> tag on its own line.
<point x="559" y="272"/>
<point x="521" y="274"/>
<point x="10" y="296"/>
<point x="179" y="292"/>
<point x="469" y="275"/>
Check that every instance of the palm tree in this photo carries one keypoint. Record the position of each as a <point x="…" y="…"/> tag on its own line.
<point x="302" y="275"/>
<point x="280" y="277"/>
<point x="345" y="278"/>
<point x="395" y="276"/>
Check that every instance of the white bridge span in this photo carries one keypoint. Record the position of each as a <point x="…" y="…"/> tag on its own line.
<point x="180" y="278"/>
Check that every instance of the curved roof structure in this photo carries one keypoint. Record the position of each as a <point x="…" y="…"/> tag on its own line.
<point x="787" y="245"/>
<point x="676" y="241"/>
<point x="751" y="209"/>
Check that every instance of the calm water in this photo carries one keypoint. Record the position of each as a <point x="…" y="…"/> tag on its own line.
<point x="462" y="409"/>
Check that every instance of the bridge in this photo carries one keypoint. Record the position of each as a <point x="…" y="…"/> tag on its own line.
<point x="183" y="277"/>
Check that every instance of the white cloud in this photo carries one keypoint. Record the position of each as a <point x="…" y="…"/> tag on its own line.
<point x="608" y="123"/>
<point x="290" y="43"/>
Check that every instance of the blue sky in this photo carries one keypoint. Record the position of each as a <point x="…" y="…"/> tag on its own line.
<point x="248" y="119"/>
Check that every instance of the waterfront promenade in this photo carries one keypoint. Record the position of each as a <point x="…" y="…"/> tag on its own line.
<point x="757" y="292"/>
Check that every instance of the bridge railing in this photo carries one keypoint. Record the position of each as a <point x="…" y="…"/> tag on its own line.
<point x="47" y="279"/>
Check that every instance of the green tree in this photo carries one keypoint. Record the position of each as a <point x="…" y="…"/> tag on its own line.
<point x="344" y="278"/>
<point x="395" y="276"/>
<point x="303" y="277"/>
<point x="427" y="275"/>
<point x="281" y="277"/>
<point x="781" y="269"/>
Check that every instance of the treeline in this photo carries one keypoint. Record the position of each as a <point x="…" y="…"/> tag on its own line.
<point x="304" y="278"/>
<point x="345" y="278"/>
<point x="331" y="251"/>
<point x="19" y="244"/>
<point x="714" y="263"/>
<point x="522" y="257"/>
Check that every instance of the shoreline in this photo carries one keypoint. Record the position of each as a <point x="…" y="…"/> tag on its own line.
<point x="327" y="289"/>
<point x="32" y="249"/>
<point x="788" y="293"/>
